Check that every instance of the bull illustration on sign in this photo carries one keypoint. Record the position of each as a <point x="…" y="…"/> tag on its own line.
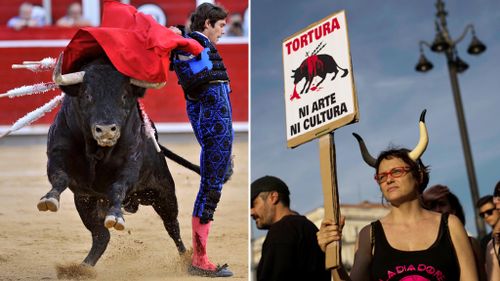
<point x="315" y="65"/>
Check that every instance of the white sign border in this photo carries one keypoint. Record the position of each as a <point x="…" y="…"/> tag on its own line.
<point x="330" y="126"/>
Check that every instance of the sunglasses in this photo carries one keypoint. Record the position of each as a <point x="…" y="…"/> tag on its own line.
<point x="487" y="213"/>
<point x="394" y="172"/>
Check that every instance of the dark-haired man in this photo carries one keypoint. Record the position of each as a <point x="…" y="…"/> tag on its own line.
<point x="290" y="251"/>
<point x="489" y="214"/>
<point x="493" y="248"/>
<point x="205" y="82"/>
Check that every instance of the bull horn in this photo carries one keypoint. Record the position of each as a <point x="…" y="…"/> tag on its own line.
<point x="423" y="141"/>
<point x="66" y="79"/>
<point x="145" y="84"/>
<point x="364" y="151"/>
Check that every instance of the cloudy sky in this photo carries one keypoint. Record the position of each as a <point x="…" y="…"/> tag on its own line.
<point x="384" y="38"/>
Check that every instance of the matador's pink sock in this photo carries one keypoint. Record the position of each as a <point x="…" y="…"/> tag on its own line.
<point x="200" y="237"/>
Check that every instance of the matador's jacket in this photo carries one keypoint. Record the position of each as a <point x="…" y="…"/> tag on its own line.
<point x="205" y="82"/>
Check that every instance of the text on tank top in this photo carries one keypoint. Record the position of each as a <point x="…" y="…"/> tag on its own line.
<point x="437" y="263"/>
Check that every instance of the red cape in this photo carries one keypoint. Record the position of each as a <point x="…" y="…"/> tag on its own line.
<point x="135" y="43"/>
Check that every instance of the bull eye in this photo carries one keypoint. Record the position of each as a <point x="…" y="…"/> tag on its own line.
<point x="88" y="97"/>
<point x="124" y="98"/>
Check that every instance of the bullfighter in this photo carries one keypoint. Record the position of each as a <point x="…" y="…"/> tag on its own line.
<point x="205" y="82"/>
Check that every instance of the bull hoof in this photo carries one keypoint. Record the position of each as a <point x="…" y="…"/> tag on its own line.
<point x="130" y="208"/>
<point x="114" y="222"/>
<point x="48" y="204"/>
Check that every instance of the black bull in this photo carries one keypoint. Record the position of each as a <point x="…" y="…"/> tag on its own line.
<point x="316" y="65"/>
<point x="97" y="146"/>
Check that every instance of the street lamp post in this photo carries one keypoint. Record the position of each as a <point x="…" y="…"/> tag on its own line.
<point x="443" y="43"/>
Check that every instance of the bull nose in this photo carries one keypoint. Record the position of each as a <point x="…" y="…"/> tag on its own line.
<point x="106" y="131"/>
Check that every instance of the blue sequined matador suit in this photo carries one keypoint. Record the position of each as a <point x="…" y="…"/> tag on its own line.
<point x="206" y="87"/>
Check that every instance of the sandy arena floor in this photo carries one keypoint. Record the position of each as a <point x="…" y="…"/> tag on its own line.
<point x="33" y="243"/>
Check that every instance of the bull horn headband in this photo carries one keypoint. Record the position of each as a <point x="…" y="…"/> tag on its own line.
<point x="364" y="151"/>
<point x="77" y="77"/>
<point x="414" y="154"/>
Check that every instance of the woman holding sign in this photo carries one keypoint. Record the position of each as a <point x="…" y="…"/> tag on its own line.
<point x="409" y="243"/>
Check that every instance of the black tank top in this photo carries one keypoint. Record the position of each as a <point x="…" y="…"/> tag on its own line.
<point x="437" y="263"/>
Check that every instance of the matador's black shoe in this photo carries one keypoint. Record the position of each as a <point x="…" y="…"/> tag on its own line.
<point x="220" y="271"/>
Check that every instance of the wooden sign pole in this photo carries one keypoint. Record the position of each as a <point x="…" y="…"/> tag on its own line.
<point x="330" y="194"/>
<point x="336" y="95"/>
